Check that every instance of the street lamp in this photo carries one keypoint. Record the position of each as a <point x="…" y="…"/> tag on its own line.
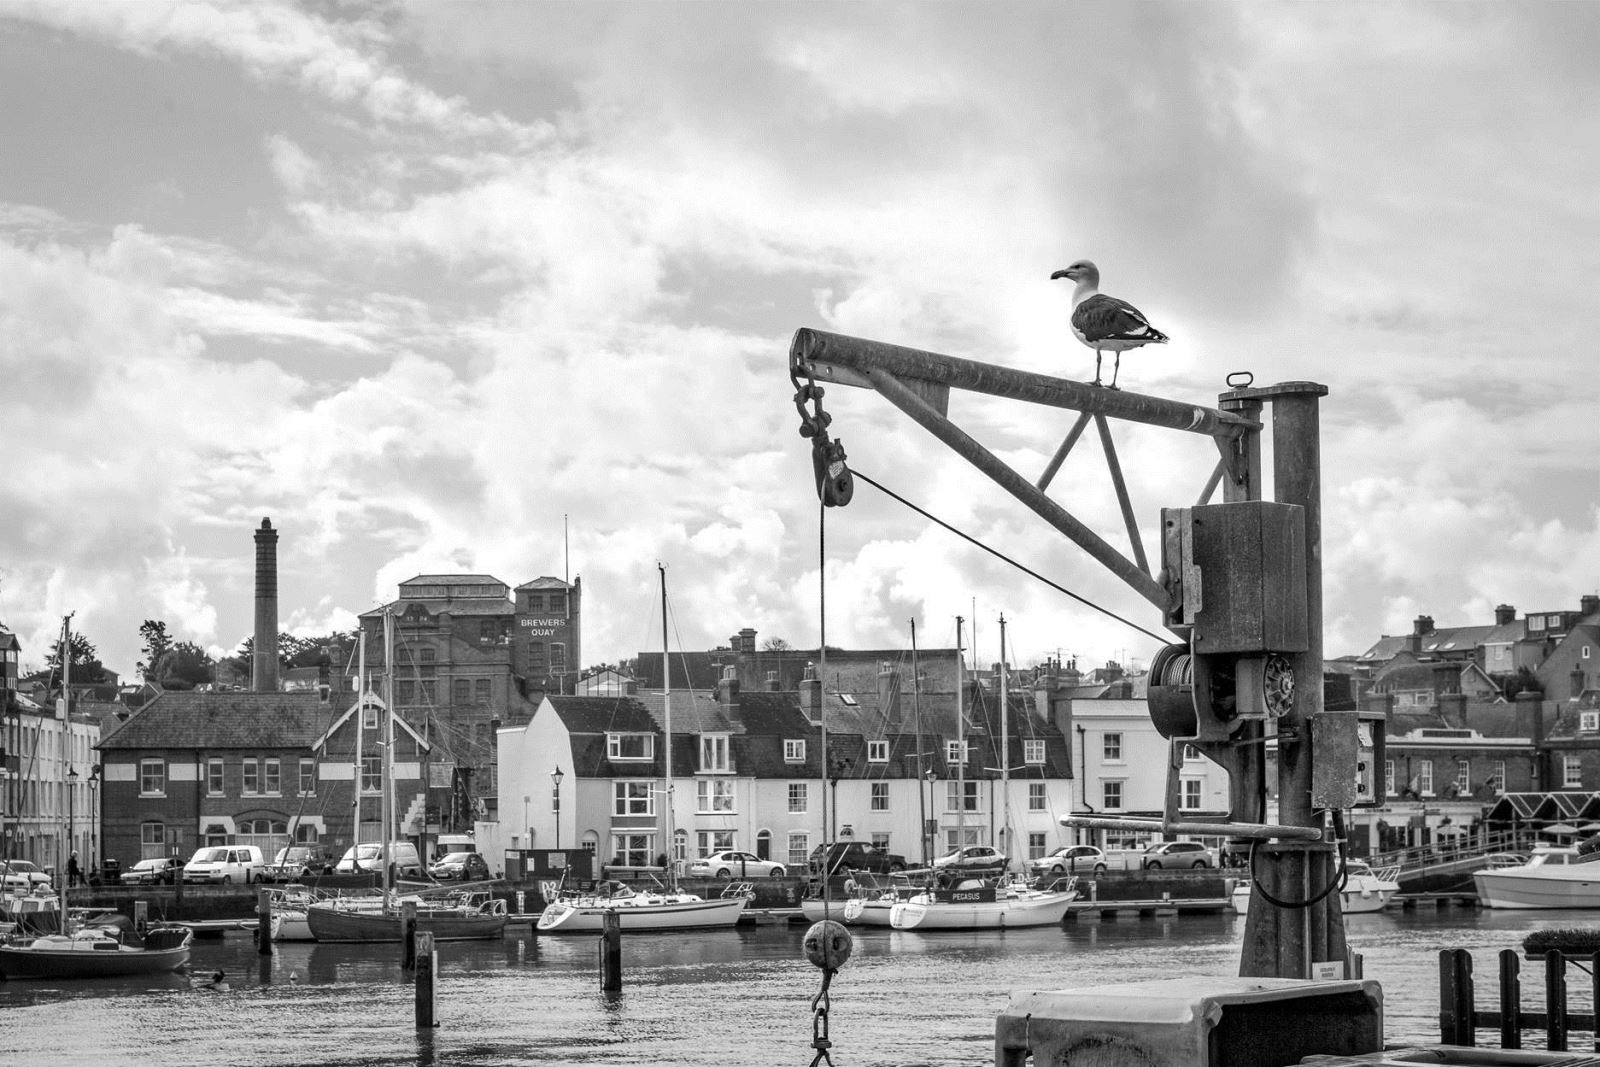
<point x="927" y="823"/>
<point x="527" y="827"/>
<point x="555" y="801"/>
<point x="72" y="796"/>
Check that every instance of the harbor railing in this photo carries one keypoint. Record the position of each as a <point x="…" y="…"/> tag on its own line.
<point x="1460" y="1019"/>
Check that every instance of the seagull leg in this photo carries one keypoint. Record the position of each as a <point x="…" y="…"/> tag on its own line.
<point x="1115" y="367"/>
<point x="1097" y="354"/>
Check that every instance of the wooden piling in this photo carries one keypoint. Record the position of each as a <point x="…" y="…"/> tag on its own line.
<point x="427" y="966"/>
<point x="263" y="921"/>
<point x="611" y="953"/>
<point x="409" y="936"/>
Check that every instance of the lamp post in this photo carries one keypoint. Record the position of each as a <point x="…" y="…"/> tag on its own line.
<point x="555" y="801"/>
<point x="527" y="827"/>
<point x="927" y="829"/>
<point x="72" y="795"/>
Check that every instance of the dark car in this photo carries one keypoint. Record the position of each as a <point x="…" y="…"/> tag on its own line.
<point x="163" y="870"/>
<point x="461" y="867"/>
<point x="973" y="860"/>
<point x="845" y="856"/>
<point x="298" y="861"/>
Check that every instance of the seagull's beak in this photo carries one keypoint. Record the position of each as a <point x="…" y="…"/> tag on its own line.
<point x="1061" y="274"/>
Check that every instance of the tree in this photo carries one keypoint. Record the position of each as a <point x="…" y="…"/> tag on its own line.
<point x="185" y="666"/>
<point x="84" y="661"/>
<point x="776" y="644"/>
<point x="1523" y="681"/>
<point x="156" y="644"/>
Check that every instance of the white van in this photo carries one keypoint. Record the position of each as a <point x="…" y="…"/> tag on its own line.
<point x="371" y="858"/>
<point x="448" y="843"/>
<point x="225" y="864"/>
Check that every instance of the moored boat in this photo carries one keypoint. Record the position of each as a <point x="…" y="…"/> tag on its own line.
<point x="867" y="901"/>
<point x="1553" y="877"/>
<point x="667" y="909"/>
<point x="1365" y="890"/>
<point x="469" y="916"/>
<point x="107" y="948"/>
<point x="985" y="906"/>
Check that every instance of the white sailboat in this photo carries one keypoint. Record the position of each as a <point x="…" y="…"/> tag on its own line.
<point x="667" y="908"/>
<point x="984" y="904"/>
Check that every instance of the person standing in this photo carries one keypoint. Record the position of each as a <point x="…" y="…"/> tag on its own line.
<point x="74" y="872"/>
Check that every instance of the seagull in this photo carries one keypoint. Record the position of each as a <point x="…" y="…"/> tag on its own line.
<point x="1105" y="323"/>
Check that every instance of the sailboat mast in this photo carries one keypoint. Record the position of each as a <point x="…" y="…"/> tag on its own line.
<point x="387" y="765"/>
<point x="961" y="744"/>
<point x="361" y="718"/>
<point x="1005" y="746"/>
<point x="916" y="715"/>
<point x="669" y="850"/>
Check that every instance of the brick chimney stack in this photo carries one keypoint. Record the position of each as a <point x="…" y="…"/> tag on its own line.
<point x="1504" y="615"/>
<point x="811" y="694"/>
<point x="264" y="661"/>
<point x="1589" y="603"/>
<point x="889" y="696"/>
<point x="1419" y="629"/>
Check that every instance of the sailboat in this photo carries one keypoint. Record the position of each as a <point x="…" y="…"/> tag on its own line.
<point x="985" y="904"/>
<point x="449" y="915"/>
<point x="667" y="908"/>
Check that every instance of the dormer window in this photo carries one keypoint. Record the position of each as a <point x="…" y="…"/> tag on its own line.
<point x="1589" y="721"/>
<point x="877" y="752"/>
<point x="714" y="754"/>
<point x="630" y="746"/>
<point x="794" y="751"/>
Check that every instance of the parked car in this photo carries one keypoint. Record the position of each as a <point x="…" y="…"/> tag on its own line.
<point x="734" y="865"/>
<point x="1177" y="854"/>
<point x="22" y="876"/>
<point x="462" y="867"/>
<point x="844" y="856"/>
<point x="401" y="855"/>
<point x="160" y="871"/>
<point x="299" y="861"/>
<point x="1070" y="859"/>
<point x="225" y="864"/>
<point x="972" y="860"/>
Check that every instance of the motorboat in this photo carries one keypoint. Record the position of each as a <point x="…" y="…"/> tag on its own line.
<point x="458" y="916"/>
<point x="662" y="908"/>
<point x="867" y="901"/>
<point x="1555" y="876"/>
<point x="1365" y="889"/>
<point x="105" y="947"/>
<point x="980" y="904"/>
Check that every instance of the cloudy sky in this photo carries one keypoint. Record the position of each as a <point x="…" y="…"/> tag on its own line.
<point x="419" y="281"/>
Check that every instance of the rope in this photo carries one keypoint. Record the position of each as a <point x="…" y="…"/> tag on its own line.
<point x="1007" y="559"/>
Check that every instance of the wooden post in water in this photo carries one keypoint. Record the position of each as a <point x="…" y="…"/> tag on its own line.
<point x="611" y="953"/>
<point x="409" y="935"/>
<point x="264" y="921"/>
<point x="427" y="965"/>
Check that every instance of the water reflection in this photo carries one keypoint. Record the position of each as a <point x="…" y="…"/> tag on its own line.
<point x="693" y="999"/>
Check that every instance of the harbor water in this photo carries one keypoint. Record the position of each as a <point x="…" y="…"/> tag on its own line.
<point x="707" y="999"/>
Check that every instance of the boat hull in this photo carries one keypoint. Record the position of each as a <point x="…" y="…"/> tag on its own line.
<point x="1540" y="888"/>
<point x="58" y="957"/>
<point x="588" y="916"/>
<point x="348" y="925"/>
<point x="1006" y="912"/>
<point x="852" y="911"/>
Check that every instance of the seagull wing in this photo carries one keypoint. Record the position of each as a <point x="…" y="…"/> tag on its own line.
<point x="1100" y="319"/>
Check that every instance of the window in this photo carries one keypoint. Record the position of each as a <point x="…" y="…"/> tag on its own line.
<point x="1111" y="796"/>
<point x="369" y="717"/>
<point x="961" y="796"/>
<point x="714" y="795"/>
<point x="680" y="844"/>
<point x="710" y="841"/>
<point x="1571" y="771"/>
<point x="1388" y="777"/>
<point x="633" y="798"/>
<point x="880" y="796"/>
<point x="630" y="746"/>
<point x="632" y="850"/>
<point x="1497" y="780"/>
<point x="308" y="777"/>
<point x="797" y="798"/>
<point x="1037" y="845"/>
<point x="371" y="774"/>
<point x="1589" y="721"/>
<point x="1425" y="777"/>
<point x="955" y="753"/>
<point x="877" y="752"/>
<point x="1036" y="797"/>
<point x="428" y="690"/>
<point x="489" y="631"/>
<point x="481" y="692"/>
<point x="713" y="753"/>
<point x="405" y="692"/>
<point x="152" y="777"/>
<point x="214" y="776"/>
<point x="152" y="840"/>
<point x="1191" y="754"/>
<point x="252" y="776"/>
<point x="1112" y="752"/>
<point x="880" y="841"/>
<point x="1191" y="797"/>
<point x="1033" y="751"/>
<point x="306" y="833"/>
<point x="794" y="751"/>
<point x="1463" y="776"/>
<point x="460" y="690"/>
<point x="799" y="849"/>
<point x="272" y="776"/>
<point x="558" y="657"/>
